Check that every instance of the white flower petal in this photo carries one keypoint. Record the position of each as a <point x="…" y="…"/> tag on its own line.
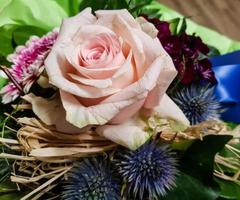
<point x="130" y="134"/>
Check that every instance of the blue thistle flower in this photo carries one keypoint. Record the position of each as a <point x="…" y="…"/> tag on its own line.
<point x="198" y="103"/>
<point x="149" y="172"/>
<point x="92" y="179"/>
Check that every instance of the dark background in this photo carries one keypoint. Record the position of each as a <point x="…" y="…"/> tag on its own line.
<point x="220" y="15"/>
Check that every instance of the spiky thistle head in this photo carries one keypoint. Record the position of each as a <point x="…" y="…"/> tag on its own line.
<point x="92" y="179"/>
<point x="148" y="172"/>
<point x="198" y="103"/>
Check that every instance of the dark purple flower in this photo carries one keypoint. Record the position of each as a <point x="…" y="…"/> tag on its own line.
<point x="185" y="51"/>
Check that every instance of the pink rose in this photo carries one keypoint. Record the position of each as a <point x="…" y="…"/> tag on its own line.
<point x="108" y="67"/>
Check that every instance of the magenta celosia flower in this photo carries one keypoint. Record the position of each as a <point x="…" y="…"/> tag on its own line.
<point x="28" y="64"/>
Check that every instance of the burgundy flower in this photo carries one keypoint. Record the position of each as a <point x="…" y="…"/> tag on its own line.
<point x="186" y="52"/>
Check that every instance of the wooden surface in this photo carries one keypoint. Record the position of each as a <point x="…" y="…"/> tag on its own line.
<point x="221" y="15"/>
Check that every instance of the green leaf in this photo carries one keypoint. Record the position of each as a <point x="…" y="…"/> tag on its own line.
<point x="198" y="160"/>
<point x="190" y="188"/>
<point x="213" y="51"/>
<point x="23" y="33"/>
<point x="229" y="190"/>
<point x="11" y="196"/>
<point x="6" y="46"/>
<point x="153" y="13"/>
<point x="3" y="82"/>
<point x="178" y="25"/>
<point x="45" y="14"/>
<point x="235" y="161"/>
<point x="8" y="191"/>
<point x="4" y="171"/>
<point x="7" y="187"/>
<point x="174" y="25"/>
<point x="232" y="125"/>
<point x="119" y="4"/>
<point x="95" y="5"/>
<point x="181" y="145"/>
<point x="135" y="6"/>
<point x="71" y="7"/>
<point x="183" y="26"/>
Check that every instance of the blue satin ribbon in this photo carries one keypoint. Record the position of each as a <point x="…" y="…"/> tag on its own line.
<point x="227" y="71"/>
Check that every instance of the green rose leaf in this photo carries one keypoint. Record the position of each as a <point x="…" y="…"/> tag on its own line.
<point x="189" y="188"/>
<point x="198" y="160"/>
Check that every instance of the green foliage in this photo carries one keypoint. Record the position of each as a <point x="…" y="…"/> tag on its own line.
<point x="19" y="19"/>
<point x="213" y="51"/>
<point x="229" y="189"/>
<point x="134" y="6"/>
<point x="189" y="188"/>
<point x="3" y="82"/>
<point x="8" y="191"/>
<point x="4" y="171"/>
<point x="196" y="180"/>
<point x="232" y="125"/>
<point x="6" y="46"/>
<point x="95" y="5"/>
<point x="44" y="14"/>
<point x="11" y="196"/>
<point x="178" y="25"/>
<point x="71" y="7"/>
<point x="23" y="33"/>
<point x="198" y="160"/>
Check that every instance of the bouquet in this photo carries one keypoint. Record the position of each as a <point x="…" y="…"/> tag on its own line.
<point x="116" y="100"/>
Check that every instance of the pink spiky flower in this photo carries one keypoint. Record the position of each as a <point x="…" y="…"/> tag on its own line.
<point x="28" y="64"/>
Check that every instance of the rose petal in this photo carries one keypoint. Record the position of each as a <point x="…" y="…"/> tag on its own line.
<point x="145" y="84"/>
<point x="126" y="32"/>
<point x="168" y="109"/>
<point x="126" y="71"/>
<point x="100" y="114"/>
<point x="88" y="31"/>
<point x="164" y="80"/>
<point x="107" y="17"/>
<point x="98" y="83"/>
<point x="127" y="112"/>
<point x="51" y="112"/>
<point x="147" y="27"/>
<point x="130" y="134"/>
<point x="70" y="25"/>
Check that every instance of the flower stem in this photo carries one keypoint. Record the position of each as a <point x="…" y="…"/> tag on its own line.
<point x="11" y="78"/>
